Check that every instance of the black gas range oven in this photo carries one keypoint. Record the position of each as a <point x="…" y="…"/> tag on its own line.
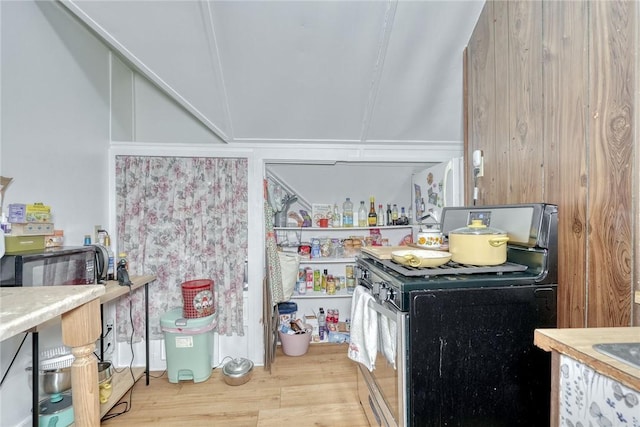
<point x="464" y="353"/>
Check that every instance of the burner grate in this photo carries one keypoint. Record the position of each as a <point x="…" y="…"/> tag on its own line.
<point x="451" y="268"/>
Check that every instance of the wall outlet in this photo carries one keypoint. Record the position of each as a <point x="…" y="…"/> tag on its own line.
<point x="108" y="335"/>
<point x="96" y="228"/>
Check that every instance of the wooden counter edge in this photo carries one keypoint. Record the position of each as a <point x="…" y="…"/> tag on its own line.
<point x="547" y="343"/>
<point x="113" y="289"/>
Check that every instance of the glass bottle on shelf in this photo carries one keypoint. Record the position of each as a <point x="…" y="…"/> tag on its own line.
<point x="335" y="217"/>
<point x="347" y="213"/>
<point x="394" y="215"/>
<point x="380" y="215"/>
<point x="325" y="275"/>
<point x="389" y="214"/>
<point x="372" y="217"/>
<point x="362" y="215"/>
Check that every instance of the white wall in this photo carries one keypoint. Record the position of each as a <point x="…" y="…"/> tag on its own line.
<point x="55" y="140"/>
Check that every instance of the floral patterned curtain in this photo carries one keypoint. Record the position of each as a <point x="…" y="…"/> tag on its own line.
<point x="180" y="219"/>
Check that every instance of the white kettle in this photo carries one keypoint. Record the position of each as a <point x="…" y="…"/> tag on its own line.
<point x="429" y="237"/>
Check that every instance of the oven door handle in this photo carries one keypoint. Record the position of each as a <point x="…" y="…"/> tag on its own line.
<point x="382" y="310"/>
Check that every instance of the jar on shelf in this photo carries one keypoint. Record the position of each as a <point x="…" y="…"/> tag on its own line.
<point x="326" y="248"/>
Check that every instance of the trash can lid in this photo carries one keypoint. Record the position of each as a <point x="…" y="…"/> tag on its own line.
<point x="173" y="318"/>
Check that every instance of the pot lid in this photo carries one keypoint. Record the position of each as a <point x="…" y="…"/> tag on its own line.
<point x="237" y="367"/>
<point x="477" y="227"/>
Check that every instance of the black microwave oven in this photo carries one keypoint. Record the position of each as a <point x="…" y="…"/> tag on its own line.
<point x="49" y="267"/>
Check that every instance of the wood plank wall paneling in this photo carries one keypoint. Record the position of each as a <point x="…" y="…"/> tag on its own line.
<point x="526" y="150"/>
<point x="498" y="167"/>
<point x="481" y="94"/>
<point x="565" y="104"/>
<point x="635" y="308"/>
<point x="552" y="91"/>
<point x="610" y="163"/>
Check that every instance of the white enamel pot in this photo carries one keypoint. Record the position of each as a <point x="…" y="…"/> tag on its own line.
<point x="478" y="244"/>
<point x="429" y="238"/>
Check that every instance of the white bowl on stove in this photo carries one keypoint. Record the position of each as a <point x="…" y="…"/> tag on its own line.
<point x="420" y="258"/>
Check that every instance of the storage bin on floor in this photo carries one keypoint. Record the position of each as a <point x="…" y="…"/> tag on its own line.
<point x="189" y="346"/>
<point x="294" y="345"/>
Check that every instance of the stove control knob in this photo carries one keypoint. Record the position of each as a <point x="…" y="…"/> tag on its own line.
<point x="385" y="293"/>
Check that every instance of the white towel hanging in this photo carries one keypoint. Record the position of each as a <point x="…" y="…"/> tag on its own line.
<point x="363" y="345"/>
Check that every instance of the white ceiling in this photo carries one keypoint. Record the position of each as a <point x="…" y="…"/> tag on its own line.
<point x="319" y="71"/>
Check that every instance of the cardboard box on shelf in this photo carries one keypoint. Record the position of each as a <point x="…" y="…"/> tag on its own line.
<point x="14" y="244"/>
<point x="31" y="228"/>
<point x="36" y="212"/>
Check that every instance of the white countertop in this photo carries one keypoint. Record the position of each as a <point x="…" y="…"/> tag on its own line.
<point x="23" y="308"/>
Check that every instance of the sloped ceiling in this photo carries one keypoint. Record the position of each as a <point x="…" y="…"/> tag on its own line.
<point x="318" y="71"/>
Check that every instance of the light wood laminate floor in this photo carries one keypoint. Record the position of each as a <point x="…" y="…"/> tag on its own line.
<point x="317" y="389"/>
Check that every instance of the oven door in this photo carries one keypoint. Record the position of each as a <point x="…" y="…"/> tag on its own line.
<point x="382" y="392"/>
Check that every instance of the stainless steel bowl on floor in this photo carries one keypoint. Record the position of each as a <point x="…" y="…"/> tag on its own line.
<point x="237" y="371"/>
<point x="52" y="381"/>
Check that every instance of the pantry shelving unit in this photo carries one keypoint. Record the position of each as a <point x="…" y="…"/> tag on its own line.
<point x="289" y="239"/>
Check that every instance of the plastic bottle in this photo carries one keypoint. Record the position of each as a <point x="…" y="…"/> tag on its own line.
<point x="322" y="324"/>
<point x="111" y="267"/>
<point x="362" y="215"/>
<point x="335" y="219"/>
<point x="372" y="217"/>
<point x="347" y="213"/>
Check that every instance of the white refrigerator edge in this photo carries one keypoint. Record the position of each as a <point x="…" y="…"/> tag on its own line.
<point x="437" y="187"/>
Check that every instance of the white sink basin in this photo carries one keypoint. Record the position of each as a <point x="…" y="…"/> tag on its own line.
<point x="628" y="353"/>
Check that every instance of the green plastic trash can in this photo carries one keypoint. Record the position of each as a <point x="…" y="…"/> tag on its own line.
<point x="188" y="345"/>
